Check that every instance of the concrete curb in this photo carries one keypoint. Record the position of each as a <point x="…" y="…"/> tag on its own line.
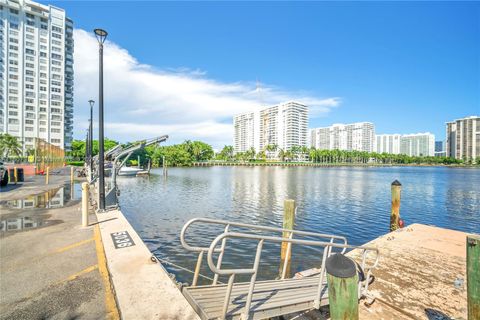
<point x="143" y="288"/>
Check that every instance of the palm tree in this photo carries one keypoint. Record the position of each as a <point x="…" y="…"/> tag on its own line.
<point x="295" y="151"/>
<point x="250" y="153"/>
<point x="270" y="148"/>
<point x="9" y="145"/>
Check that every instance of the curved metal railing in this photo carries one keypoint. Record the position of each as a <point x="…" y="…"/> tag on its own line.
<point x="363" y="286"/>
<point x="287" y="234"/>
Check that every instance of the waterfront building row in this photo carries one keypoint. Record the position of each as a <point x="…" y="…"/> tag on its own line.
<point x="418" y="144"/>
<point x="284" y="126"/>
<point x="36" y="73"/>
<point x="355" y="136"/>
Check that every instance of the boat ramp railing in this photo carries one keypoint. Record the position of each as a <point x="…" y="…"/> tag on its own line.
<point x="218" y="245"/>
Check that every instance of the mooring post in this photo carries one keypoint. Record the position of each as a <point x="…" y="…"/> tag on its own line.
<point x="85" y="204"/>
<point x="286" y="251"/>
<point x="164" y="163"/>
<point x="473" y="276"/>
<point x="395" y="215"/>
<point x="71" y="174"/>
<point x="47" y="175"/>
<point x="15" y="175"/>
<point x="342" y="280"/>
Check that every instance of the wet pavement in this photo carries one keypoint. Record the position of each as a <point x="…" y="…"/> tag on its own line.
<point x="49" y="264"/>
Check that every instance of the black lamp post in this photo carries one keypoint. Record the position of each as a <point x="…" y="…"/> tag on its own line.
<point x="90" y="142"/>
<point x="101" y="36"/>
<point x="87" y="139"/>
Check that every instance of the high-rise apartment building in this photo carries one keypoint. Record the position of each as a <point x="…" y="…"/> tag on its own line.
<point x="356" y="136"/>
<point x="36" y="73"/>
<point x="418" y="145"/>
<point x="440" y="149"/>
<point x="247" y="131"/>
<point x="463" y="138"/>
<point x="387" y="143"/>
<point x="284" y="125"/>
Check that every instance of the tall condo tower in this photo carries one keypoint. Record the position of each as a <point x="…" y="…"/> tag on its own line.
<point x="463" y="138"/>
<point x="284" y="125"/>
<point x="36" y="73"/>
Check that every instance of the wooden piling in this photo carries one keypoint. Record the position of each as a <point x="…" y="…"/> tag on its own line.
<point x="164" y="166"/>
<point x="286" y="251"/>
<point x="473" y="277"/>
<point x="47" y="175"/>
<point x="342" y="280"/>
<point x="395" y="214"/>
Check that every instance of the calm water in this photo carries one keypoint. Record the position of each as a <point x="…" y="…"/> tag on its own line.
<point x="354" y="202"/>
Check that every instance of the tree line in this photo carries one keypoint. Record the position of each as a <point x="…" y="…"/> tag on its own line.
<point x="298" y="153"/>
<point x="184" y="154"/>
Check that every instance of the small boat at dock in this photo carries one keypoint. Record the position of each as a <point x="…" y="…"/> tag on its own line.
<point x="129" y="171"/>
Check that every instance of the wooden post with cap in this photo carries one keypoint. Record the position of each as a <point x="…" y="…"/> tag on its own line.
<point x="342" y="280"/>
<point x="473" y="276"/>
<point x="395" y="214"/>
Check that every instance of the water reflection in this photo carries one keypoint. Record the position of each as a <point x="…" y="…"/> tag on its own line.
<point x="354" y="202"/>
<point x="21" y="223"/>
<point x="55" y="198"/>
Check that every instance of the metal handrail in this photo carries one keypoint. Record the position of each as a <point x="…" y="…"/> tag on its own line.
<point x="253" y="271"/>
<point x="250" y="226"/>
<point x="288" y="232"/>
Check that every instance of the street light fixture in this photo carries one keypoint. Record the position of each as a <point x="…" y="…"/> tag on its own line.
<point x="90" y="143"/>
<point x="101" y="36"/>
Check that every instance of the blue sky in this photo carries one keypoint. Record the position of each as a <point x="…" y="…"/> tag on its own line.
<point x="405" y="66"/>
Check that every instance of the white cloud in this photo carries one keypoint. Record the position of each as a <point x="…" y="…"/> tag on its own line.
<point x="143" y="102"/>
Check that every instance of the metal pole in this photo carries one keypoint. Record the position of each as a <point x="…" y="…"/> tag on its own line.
<point x="101" y="178"/>
<point x="90" y="145"/>
<point x="86" y="148"/>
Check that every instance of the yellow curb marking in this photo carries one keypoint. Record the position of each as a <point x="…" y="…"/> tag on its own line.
<point x="36" y="259"/>
<point x="78" y="274"/>
<point x="77" y="244"/>
<point x="110" y="303"/>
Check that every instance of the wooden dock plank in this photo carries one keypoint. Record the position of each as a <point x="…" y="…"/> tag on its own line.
<point x="270" y="298"/>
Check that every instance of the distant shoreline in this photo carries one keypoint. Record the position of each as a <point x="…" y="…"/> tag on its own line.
<point x="310" y="164"/>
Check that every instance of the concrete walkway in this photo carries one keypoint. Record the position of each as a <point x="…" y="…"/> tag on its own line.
<point x="51" y="267"/>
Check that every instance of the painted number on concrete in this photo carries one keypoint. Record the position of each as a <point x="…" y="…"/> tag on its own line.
<point x="122" y="239"/>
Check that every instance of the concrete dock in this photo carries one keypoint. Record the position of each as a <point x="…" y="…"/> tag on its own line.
<point x="421" y="275"/>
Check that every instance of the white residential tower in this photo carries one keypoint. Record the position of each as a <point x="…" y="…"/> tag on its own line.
<point x="355" y="136"/>
<point x="36" y="73"/>
<point x="284" y="125"/>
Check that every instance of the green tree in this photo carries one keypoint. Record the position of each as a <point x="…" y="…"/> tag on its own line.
<point x="9" y="145"/>
<point x="200" y="151"/>
<point x="226" y="154"/>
